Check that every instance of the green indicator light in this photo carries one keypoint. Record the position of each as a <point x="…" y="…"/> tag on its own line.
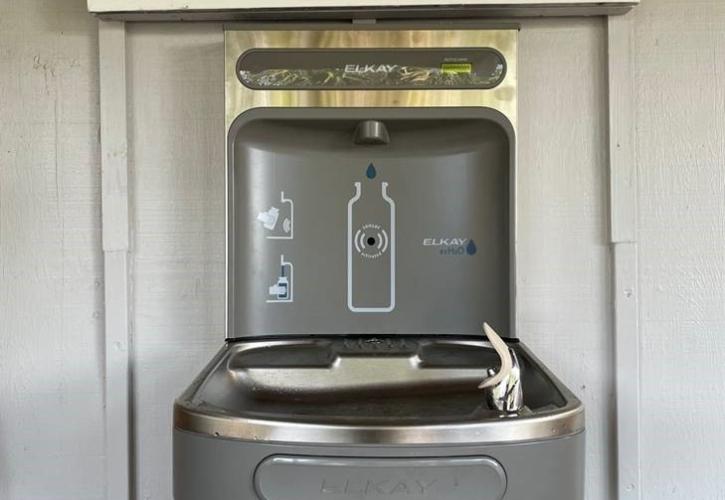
<point x="457" y="68"/>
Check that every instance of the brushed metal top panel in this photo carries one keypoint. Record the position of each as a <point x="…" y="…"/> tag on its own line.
<point x="502" y="98"/>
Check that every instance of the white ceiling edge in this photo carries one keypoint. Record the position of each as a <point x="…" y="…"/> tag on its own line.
<point x="285" y="9"/>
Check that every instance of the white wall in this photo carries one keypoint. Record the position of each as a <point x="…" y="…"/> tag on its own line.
<point x="176" y="131"/>
<point x="51" y="290"/>
<point x="680" y="91"/>
<point x="563" y="303"/>
<point x="51" y="411"/>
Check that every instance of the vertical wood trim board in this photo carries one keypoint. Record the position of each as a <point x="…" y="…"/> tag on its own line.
<point x="114" y="201"/>
<point x="626" y="352"/>
<point x="622" y="173"/>
<point x="623" y="220"/>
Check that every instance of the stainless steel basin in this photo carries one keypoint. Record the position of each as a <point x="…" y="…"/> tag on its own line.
<point x="369" y="386"/>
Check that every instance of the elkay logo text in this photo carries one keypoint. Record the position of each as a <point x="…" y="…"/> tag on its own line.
<point x="371" y="68"/>
<point x="452" y="246"/>
<point x="388" y="487"/>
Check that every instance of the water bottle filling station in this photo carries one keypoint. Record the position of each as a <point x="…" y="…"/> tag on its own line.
<point x="371" y="233"/>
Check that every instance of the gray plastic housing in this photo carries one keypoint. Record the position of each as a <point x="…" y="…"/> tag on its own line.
<point x="220" y="469"/>
<point x="333" y="231"/>
<point x="345" y="418"/>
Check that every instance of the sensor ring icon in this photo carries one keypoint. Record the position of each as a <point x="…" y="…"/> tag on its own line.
<point x="371" y="241"/>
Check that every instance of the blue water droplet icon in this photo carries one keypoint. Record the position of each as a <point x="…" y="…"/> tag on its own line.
<point x="371" y="172"/>
<point x="471" y="248"/>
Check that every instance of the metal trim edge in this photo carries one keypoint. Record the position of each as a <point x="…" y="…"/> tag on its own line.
<point x="567" y="422"/>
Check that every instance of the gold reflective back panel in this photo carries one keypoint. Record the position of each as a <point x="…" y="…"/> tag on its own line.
<point x="502" y="98"/>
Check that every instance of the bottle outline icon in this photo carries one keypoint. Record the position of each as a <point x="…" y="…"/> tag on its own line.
<point x="353" y="251"/>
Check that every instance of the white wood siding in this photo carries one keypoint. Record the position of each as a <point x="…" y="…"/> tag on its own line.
<point x="51" y="265"/>
<point x="51" y="260"/>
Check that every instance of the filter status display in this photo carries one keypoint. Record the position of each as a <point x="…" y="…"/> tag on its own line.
<point x="364" y="69"/>
<point x="457" y="68"/>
